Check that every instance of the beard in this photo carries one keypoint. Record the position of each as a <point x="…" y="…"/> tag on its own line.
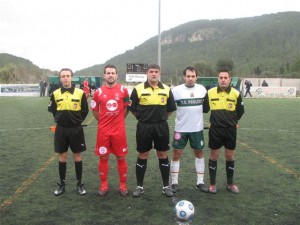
<point x="110" y="82"/>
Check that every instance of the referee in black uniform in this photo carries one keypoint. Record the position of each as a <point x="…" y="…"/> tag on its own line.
<point x="226" y="106"/>
<point x="69" y="108"/>
<point x="152" y="103"/>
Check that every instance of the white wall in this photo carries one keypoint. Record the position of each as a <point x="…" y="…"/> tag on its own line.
<point x="276" y="82"/>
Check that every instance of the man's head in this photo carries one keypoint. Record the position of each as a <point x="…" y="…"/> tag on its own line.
<point x="65" y="76"/>
<point x="190" y="75"/>
<point x="224" y="79"/>
<point x="110" y="74"/>
<point x="153" y="73"/>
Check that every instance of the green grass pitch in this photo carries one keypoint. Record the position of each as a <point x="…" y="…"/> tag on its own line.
<point x="267" y="172"/>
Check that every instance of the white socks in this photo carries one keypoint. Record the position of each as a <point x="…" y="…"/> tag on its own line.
<point x="174" y="169"/>
<point x="200" y="167"/>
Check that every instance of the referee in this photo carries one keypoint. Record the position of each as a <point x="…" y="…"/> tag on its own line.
<point x="69" y="108"/>
<point x="152" y="103"/>
<point x="226" y="106"/>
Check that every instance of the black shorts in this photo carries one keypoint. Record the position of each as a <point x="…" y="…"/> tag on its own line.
<point x="222" y="136"/>
<point x="69" y="137"/>
<point x="148" y="134"/>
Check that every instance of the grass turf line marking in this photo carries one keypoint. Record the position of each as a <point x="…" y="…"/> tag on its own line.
<point x="9" y="201"/>
<point x="271" y="160"/>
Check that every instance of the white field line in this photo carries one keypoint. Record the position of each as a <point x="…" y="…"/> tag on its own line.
<point x="134" y="126"/>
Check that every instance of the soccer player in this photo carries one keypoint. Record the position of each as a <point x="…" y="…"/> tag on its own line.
<point x="226" y="106"/>
<point x="189" y="126"/>
<point x="109" y="106"/>
<point x="152" y="103"/>
<point x="69" y="108"/>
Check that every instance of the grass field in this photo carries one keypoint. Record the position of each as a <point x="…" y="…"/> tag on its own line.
<point x="267" y="172"/>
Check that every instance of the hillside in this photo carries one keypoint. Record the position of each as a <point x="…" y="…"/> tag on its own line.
<point x="269" y="43"/>
<point x="15" y="69"/>
<point x="262" y="46"/>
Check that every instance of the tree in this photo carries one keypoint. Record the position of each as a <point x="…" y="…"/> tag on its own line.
<point x="225" y="64"/>
<point x="281" y="69"/>
<point x="7" y="73"/>
<point x="203" y="68"/>
<point x="296" y="65"/>
<point x="288" y="67"/>
<point x="257" y="70"/>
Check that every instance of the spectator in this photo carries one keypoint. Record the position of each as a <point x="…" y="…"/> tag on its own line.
<point x="264" y="84"/>
<point x="43" y="86"/>
<point x="248" y="85"/>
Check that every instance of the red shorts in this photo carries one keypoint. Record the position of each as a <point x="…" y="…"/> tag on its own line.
<point x="116" y="144"/>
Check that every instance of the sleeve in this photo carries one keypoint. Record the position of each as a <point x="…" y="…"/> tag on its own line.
<point x="84" y="107"/>
<point x="52" y="107"/>
<point x="240" y="110"/>
<point x="134" y="101"/>
<point x="94" y="101"/>
<point x="126" y="97"/>
<point x="171" y="105"/>
<point x="206" y="107"/>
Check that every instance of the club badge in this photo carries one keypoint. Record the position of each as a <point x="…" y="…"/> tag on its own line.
<point x="177" y="136"/>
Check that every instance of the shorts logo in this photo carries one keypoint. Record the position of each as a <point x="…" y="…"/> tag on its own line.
<point x="177" y="136"/>
<point x="162" y="100"/>
<point x="102" y="150"/>
<point x="75" y="106"/>
<point x="230" y="105"/>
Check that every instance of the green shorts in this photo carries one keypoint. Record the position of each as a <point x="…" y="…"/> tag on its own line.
<point x="196" y="139"/>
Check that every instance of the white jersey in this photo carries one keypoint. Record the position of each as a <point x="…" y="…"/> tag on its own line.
<point x="189" y="101"/>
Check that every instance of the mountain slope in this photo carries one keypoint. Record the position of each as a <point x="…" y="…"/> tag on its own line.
<point x="268" y="42"/>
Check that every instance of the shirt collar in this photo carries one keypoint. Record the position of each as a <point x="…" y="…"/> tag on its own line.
<point x="71" y="90"/>
<point x="226" y="90"/>
<point x="160" y="85"/>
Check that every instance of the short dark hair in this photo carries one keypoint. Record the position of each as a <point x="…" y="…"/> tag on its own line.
<point x="65" y="69"/>
<point x="224" y="70"/>
<point x="110" y="66"/>
<point x="153" y="66"/>
<point x="190" y="68"/>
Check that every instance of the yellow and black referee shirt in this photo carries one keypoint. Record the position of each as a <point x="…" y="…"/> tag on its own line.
<point x="69" y="106"/>
<point x="152" y="104"/>
<point x="226" y="106"/>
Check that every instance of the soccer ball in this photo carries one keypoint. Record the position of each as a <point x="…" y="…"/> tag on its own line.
<point x="184" y="210"/>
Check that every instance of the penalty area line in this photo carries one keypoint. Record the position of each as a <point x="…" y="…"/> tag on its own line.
<point x="9" y="201"/>
<point x="271" y="160"/>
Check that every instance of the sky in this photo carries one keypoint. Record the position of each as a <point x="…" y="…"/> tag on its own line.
<point x="77" y="34"/>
